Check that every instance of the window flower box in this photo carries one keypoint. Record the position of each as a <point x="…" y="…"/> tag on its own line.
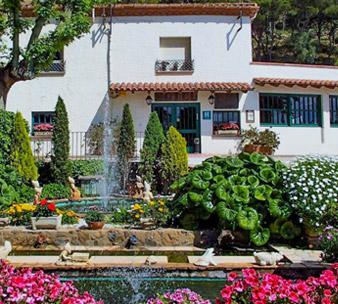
<point x="49" y="222"/>
<point x="227" y="129"/>
<point x="228" y="132"/>
<point x="43" y="130"/>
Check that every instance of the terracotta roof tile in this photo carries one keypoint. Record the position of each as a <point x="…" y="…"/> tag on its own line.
<point x="185" y="86"/>
<point x="276" y="82"/>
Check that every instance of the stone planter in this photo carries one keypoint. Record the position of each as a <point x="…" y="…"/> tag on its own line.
<point x="4" y="221"/>
<point x="258" y="149"/>
<point x="43" y="133"/>
<point x="148" y="223"/>
<point x="95" y="225"/>
<point x="50" y="222"/>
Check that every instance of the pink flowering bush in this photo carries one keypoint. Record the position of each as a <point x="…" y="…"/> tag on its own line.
<point x="180" y="296"/>
<point x="329" y="243"/>
<point x="26" y="286"/>
<point x="270" y="288"/>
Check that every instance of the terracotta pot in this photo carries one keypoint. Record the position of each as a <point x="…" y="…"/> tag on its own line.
<point x="258" y="149"/>
<point x="95" y="225"/>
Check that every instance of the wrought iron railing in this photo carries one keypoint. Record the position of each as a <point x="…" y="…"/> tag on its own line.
<point x="178" y="65"/>
<point x="81" y="146"/>
<point x="58" y="66"/>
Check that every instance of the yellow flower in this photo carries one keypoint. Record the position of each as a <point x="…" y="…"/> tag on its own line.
<point x="166" y="211"/>
<point x="161" y="203"/>
<point x="141" y="211"/>
<point x="160" y="209"/>
<point x="137" y="216"/>
<point x="137" y="207"/>
<point x="152" y="203"/>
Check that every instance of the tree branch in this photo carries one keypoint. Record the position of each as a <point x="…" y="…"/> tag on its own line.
<point x="39" y="23"/>
<point x="16" y="33"/>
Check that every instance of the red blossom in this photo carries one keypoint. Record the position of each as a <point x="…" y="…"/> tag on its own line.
<point x="43" y="202"/>
<point x="51" y="207"/>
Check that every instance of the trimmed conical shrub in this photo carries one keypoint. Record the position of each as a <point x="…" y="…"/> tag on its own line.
<point x="154" y="137"/>
<point x="174" y="158"/>
<point x="21" y="152"/>
<point x="60" y="164"/>
<point x="126" y="146"/>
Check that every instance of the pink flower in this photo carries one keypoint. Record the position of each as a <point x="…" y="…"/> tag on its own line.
<point x="326" y="301"/>
<point x="232" y="276"/>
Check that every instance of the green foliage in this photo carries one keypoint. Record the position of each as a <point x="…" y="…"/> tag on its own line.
<point x="154" y="137"/>
<point x="21" y="153"/>
<point x="174" y="160"/>
<point x="329" y="243"/>
<point x="330" y="216"/>
<point x="121" y="215"/>
<point x="6" y="127"/>
<point x="60" y="165"/>
<point x="244" y="192"/>
<point x="82" y="167"/>
<point x="22" y="61"/>
<point x="94" y="216"/>
<point x="126" y="146"/>
<point x="8" y="196"/>
<point x="55" y="191"/>
<point x="267" y="138"/>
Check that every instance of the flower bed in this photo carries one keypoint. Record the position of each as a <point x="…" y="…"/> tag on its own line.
<point x="270" y="288"/>
<point x="26" y="286"/>
<point x="180" y="296"/>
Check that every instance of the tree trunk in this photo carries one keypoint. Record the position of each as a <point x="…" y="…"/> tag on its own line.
<point x="6" y="82"/>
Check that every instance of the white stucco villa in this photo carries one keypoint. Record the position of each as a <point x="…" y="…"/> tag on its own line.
<point x="192" y="63"/>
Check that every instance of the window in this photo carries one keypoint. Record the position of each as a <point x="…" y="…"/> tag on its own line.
<point x="226" y="121"/>
<point x="290" y="110"/>
<point x="334" y="110"/>
<point x="58" y="64"/>
<point x="40" y="118"/>
<point x="226" y="101"/>
<point x="175" y="55"/>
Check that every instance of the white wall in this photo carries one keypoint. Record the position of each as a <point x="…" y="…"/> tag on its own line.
<point x="220" y="51"/>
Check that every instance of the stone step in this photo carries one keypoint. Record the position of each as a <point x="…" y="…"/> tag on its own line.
<point x="226" y="259"/>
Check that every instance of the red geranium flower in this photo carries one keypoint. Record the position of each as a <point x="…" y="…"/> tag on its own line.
<point x="43" y="202"/>
<point x="51" y="207"/>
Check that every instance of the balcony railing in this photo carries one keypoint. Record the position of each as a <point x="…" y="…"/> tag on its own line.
<point x="58" y="66"/>
<point x="174" y="65"/>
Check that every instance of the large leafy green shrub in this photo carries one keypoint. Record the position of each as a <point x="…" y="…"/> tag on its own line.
<point x="6" y="127"/>
<point x="154" y="137"/>
<point x="60" y="165"/>
<point x="174" y="158"/>
<point x="311" y="183"/>
<point x="21" y="153"/>
<point x="126" y="146"/>
<point x="244" y="192"/>
<point x="55" y="191"/>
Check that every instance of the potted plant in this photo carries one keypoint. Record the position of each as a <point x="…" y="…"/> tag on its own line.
<point x="227" y="129"/>
<point x="95" y="219"/>
<point x="263" y="142"/>
<point x="45" y="216"/>
<point x="43" y="129"/>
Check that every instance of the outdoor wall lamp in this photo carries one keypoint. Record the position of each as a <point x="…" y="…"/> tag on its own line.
<point x="211" y="99"/>
<point x="149" y="100"/>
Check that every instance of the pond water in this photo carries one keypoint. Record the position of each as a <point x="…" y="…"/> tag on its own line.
<point x="85" y="205"/>
<point x="134" y="288"/>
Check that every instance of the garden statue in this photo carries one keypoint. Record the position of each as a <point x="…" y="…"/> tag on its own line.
<point x="75" y="194"/>
<point x="147" y="194"/>
<point x="151" y="260"/>
<point x="37" y="190"/>
<point x="67" y="258"/>
<point x="139" y="188"/>
<point x="206" y="259"/>
<point x="267" y="258"/>
<point x="5" y="250"/>
<point x="39" y="240"/>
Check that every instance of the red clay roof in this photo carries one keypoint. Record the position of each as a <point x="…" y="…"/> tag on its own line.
<point x="304" y="83"/>
<point x="186" y="86"/>
<point x="171" y="9"/>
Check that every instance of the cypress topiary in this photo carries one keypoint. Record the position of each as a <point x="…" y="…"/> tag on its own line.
<point x="126" y="146"/>
<point x="21" y="152"/>
<point x="174" y="158"/>
<point x="154" y="137"/>
<point x="6" y="129"/>
<point x="60" y="165"/>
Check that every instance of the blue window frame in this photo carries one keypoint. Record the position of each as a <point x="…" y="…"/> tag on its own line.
<point x="39" y="118"/>
<point x="334" y="111"/>
<point x="290" y="110"/>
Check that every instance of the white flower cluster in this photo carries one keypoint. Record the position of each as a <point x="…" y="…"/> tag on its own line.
<point x="311" y="182"/>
